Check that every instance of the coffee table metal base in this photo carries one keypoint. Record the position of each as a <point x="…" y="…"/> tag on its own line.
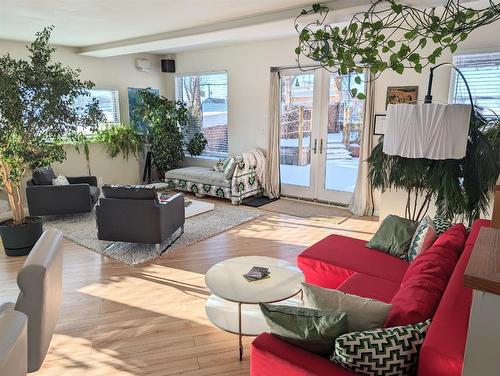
<point x="242" y="319"/>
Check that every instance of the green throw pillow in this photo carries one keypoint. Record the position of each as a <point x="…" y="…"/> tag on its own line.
<point x="394" y="236"/>
<point x="311" y="329"/>
<point x="362" y="313"/>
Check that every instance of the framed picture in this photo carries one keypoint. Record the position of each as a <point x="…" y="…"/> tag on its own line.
<point x="401" y="94"/>
<point x="379" y="125"/>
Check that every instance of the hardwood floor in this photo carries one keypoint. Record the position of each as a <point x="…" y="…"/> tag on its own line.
<point x="150" y="320"/>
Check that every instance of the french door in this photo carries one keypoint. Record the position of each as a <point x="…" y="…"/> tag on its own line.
<point x="320" y="130"/>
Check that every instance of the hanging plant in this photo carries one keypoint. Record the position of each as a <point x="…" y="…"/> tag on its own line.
<point x="121" y="138"/>
<point x="388" y="35"/>
<point x="461" y="188"/>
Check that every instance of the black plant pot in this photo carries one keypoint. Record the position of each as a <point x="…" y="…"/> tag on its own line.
<point x="19" y="239"/>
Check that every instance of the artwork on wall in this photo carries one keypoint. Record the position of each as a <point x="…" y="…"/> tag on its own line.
<point x="133" y="100"/>
<point x="401" y="94"/>
<point x="379" y="125"/>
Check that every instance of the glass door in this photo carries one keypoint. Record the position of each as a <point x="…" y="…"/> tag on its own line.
<point x="297" y="109"/>
<point x="340" y="138"/>
<point x="320" y="127"/>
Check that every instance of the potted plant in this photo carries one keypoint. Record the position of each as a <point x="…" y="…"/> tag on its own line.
<point x="38" y="112"/>
<point x="167" y="128"/>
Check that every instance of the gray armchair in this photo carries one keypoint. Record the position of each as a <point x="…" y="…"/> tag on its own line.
<point x="79" y="196"/>
<point x="40" y="282"/>
<point x="13" y="342"/>
<point x="134" y="214"/>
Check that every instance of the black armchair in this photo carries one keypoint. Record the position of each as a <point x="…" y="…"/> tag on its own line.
<point x="79" y="196"/>
<point x="134" y="214"/>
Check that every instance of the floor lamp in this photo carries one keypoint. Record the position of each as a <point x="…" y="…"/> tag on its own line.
<point x="428" y="130"/>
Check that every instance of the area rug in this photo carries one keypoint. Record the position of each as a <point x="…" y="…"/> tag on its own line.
<point x="308" y="210"/>
<point x="81" y="228"/>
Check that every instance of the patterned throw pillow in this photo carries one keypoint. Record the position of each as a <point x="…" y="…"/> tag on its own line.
<point x="229" y="168"/>
<point x="423" y="238"/>
<point x="441" y="224"/>
<point x="60" y="180"/>
<point x="379" y="352"/>
<point x="219" y="166"/>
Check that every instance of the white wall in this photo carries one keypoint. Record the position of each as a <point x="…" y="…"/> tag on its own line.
<point x="248" y="66"/>
<point x="109" y="73"/>
<point x="113" y="73"/>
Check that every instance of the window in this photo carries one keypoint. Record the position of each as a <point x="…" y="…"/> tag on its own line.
<point x="108" y="103"/>
<point x="206" y="98"/>
<point x="482" y="72"/>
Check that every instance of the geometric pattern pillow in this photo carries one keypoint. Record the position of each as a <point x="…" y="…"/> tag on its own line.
<point x="441" y="224"/>
<point x="229" y="167"/>
<point x="381" y="352"/>
<point x="424" y="237"/>
<point x="219" y="166"/>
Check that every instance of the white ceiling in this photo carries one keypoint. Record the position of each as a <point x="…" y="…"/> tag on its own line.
<point x="115" y="27"/>
<point x="87" y="22"/>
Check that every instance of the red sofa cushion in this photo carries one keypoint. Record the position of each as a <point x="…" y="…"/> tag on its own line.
<point x="442" y="352"/>
<point x="332" y="260"/>
<point x="272" y="356"/>
<point x="426" y="279"/>
<point x="370" y="287"/>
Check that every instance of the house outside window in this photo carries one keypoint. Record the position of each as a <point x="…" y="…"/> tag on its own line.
<point x="482" y="72"/>
<point x="205" y="95"/>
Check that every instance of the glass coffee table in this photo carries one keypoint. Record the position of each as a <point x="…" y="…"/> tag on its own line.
<point x="233" y="305"/>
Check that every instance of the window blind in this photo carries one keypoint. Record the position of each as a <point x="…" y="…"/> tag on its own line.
<point x="205" y="96"/>
<point x="482" y="72"/>
<point x="108" y="103"/>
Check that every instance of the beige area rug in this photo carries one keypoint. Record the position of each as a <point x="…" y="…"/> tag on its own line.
<point x="81" y="228"/>
<point x="308" y="210"/>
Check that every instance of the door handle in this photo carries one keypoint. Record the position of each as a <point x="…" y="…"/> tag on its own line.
<point x="315" y="147"/>
<point x="321" y="146"/>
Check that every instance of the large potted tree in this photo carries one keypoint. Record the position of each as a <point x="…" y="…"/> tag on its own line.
<point x="38" y="112"/>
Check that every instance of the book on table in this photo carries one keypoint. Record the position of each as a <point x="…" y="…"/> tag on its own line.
<point x="257" y="273"/>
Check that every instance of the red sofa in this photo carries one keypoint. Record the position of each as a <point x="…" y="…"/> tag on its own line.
<point x="346" y="264"/>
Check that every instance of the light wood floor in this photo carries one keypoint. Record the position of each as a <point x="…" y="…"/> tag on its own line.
<point x="150" y="320"/>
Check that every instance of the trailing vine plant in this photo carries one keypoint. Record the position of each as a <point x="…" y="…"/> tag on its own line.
<point x="388" y="35"/>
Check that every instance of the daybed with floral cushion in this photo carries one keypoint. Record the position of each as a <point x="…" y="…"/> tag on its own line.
<point x="235" y="180"/>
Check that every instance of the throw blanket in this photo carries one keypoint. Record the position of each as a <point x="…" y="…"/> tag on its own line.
<point x="256" y="158"/>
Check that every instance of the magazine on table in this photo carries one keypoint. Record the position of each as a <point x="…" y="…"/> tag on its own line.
<point x="257" y="273"/>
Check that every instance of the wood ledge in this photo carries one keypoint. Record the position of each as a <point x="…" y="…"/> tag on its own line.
<point x="483" y="270"/>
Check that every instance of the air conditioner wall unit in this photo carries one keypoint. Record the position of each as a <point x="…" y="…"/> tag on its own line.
<point x="143" y="65"/>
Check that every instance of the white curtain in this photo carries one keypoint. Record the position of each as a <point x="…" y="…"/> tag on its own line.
<point x="362" y="198"/>
<point x="272" y="186"/>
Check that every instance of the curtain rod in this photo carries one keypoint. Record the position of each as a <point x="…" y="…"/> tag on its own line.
<point x="309" y="66"/>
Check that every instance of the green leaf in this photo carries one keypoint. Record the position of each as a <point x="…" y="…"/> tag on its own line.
<point x="453" y="48"/>
<point x="361" y="96"/>
<point x="353" y="27"/>
<point x="418" y="68"/>
<point x="422" y="42"/>
<point x="297" y="50"/>
<point x="354" y="92"/>
<point x="357" y="79"/>
<point x="316" y="7"/>
<point x="396" y="8"/>
<point x="391" y="43"/>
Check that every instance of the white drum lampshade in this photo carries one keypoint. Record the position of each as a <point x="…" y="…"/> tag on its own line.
<point x="429" y="130"/>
